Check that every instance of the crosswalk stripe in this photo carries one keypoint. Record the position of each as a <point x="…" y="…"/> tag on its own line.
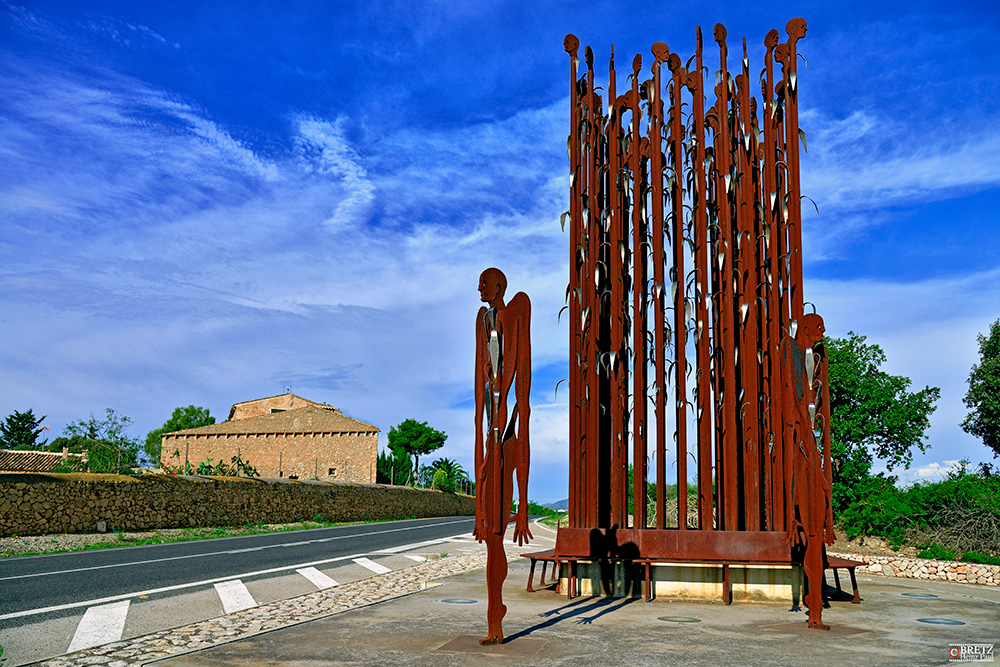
<point x="419" y="559"/>
<point x="317" y="577"/>
<point x="371" y="565"/>
<point x="100" y="625"/>
<point x="234" y="595"/>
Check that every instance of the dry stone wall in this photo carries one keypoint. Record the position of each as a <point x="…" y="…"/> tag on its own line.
<point x="40" y="504"/>
<point x="925" y="568"/>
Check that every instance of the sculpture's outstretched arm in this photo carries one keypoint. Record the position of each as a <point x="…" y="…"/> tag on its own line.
<point x="479" y="530"/>
<point x="522" y="392"/>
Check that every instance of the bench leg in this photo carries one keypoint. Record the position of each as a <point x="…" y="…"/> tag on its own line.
<point x="570" y="577"/>
<point x="854" y="583"/>
<point x="836" y="579"/>
<point x="727" y="591"/>
<point x="545" y="567"/>
<point x="649" y="585"/>
<point x="531" y="575"/>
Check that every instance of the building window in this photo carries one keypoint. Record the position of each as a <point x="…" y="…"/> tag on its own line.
<point x="332" y="472"/>
<point x="274" y="410"/>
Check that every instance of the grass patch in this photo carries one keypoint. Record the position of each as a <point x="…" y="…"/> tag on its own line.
<point x="123" y="539"/>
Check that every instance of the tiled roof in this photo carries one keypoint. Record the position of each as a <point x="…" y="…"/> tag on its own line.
<point x="19" y="460"/>
<point x="310" y="419"/>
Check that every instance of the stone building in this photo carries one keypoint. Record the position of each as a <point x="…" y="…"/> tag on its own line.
<point x="282" y="436"/>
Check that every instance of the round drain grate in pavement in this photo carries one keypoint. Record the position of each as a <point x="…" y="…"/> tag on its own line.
<point x="941" y="621"/>
<point x="919" y="595"/>
<point x="459" y="601"/>
<point x="680" y="619"/>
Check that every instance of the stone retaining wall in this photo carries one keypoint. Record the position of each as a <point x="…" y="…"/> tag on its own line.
<point x="925" y="568"/>
<point x="40" y="504"/>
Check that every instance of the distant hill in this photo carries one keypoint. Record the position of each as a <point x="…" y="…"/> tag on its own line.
<point x="559" y="505"/>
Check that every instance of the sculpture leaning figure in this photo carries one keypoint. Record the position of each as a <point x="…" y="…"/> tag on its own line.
<point x="503" y="361"/>
<point x="809" y="522"/>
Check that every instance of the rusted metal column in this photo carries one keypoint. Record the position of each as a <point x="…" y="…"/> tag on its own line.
<point x="640" y="250"/>
<point x="573" y="292"/>
<point x="702" y="285"/>
<point x="678" y="280"/>
<point x="785" y="291"/>
<point x="616" y="212"/>
<point x="748" y="282"/>
<point x="775" y="504"/>
<point x="796" y="29"/>
<point x="592" y="315"/>
<point x="729" y="477"/>
<point x="659" y="295"/>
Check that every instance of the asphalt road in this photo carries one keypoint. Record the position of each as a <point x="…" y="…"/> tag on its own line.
<point x="35" y="587"/>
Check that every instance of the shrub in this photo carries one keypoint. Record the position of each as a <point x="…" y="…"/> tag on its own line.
<point x="981" y="559"/>
<point x="937" y="552"/>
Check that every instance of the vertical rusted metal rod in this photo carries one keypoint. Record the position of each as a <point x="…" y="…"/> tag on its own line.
<point x="592" y="314"/>
<point x="679" y="76"/>
<point x="774" y="499"/>
<point x="796" y="29"/>
<point x="616" y="307"/>
<point x="702" y="284"/>
<point x="659" y="344"/>
<point x="729" y="399"/>
<point x="571" y="44"/>
<point x="640" y="248"/>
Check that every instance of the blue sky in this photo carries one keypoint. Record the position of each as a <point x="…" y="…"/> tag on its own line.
<point x="204" y="205"/>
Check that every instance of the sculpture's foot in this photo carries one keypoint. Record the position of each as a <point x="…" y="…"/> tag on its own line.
<point x="492" y="639"/>
<point x="818" y="625"/>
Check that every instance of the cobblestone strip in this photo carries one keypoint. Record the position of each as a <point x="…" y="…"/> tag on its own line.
<point x="139" y="650"/>
<point x="925" y="568"/>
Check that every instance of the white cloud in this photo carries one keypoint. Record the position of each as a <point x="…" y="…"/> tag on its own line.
<point x="337" y="159"/>
<point x="937" y="470"/>
<point x="853" y="163"/>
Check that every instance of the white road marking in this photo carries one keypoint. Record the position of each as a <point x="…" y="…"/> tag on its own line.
<point x="419" y="559"/>
<point x="100" y="625"/>
<point x="407" y="547"/>
<point x="317" y="577"/>
<point x="193" y="584"/>
<point x="233" y="551"/>
<point x="372" y="565"/>
<point x="235" y="596"/>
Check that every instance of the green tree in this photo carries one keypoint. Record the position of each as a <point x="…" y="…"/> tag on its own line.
<point x="873" y="415"/>
<point x="109" y="448"/>
<point x="415" y="439"/>
<point x="983" y="397"/>
<point x="182" y="418"/>
<point x="393" y="467"/>
<point x="20" y="430"/>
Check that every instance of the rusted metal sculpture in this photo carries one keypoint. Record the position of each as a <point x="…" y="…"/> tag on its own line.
<point x="687" y="325"/>
<point x="503" y="362"/>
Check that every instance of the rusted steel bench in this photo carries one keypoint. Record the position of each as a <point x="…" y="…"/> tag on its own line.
<point x="546" y="557"/>
<point x="765" y="549"/>
<point x="836" y="563"/>
<point x="557" y="557"/>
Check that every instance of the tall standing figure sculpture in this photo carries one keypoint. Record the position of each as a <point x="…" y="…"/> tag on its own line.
<point x="503" y="362"/>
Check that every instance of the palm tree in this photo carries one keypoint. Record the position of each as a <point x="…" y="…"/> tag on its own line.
<point x="451" y="468"/>
<point x="455" y="473"/>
